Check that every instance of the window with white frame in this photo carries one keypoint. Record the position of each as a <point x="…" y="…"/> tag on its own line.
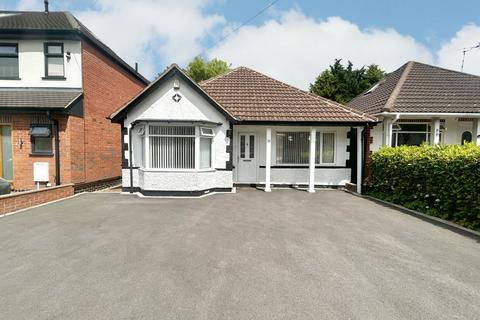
<point x="294" y="147"/>
<point x="206" y="135"/>
<point x="173" y="147"/>
<point x="412" y="134"/>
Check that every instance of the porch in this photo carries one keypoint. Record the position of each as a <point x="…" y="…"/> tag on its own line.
<point x="297" y="155"/>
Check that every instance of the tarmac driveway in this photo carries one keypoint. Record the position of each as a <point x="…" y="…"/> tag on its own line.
<point x="251" y="255"/>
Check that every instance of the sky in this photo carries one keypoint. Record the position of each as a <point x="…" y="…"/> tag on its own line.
<point x="292" y="41"/>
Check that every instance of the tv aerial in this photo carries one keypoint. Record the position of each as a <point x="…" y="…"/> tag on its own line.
<point x="468" y="49"/>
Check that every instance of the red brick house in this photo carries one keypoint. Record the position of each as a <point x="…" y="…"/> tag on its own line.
<point x="58" y="85"/>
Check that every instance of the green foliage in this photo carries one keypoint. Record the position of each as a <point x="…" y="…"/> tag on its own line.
<point x="342" y="84"/>
<point x="442" y="181"/>
<point x="199" y="69"/>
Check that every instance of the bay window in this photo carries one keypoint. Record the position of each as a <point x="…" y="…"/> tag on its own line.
<point x="294" y="147"/>
<point x="174" y="147"/>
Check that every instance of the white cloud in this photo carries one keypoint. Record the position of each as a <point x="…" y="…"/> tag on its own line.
<point x="295" y="48"/>
<point x="450" y="53"/>
<point x="289" y="45"/>
<point x="148" y="30"/>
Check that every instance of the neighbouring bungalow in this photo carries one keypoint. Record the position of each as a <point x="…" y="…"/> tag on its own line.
<point x="243" y="127"/>
<point x="420" y="103"/>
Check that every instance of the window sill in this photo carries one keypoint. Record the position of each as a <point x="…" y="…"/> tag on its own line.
<point x="177" y="170"/>
<point x="8" y="78"/>
<point x="54" y="78"/>
<point x="302" y="166"/>
<point x="41" y="154"/>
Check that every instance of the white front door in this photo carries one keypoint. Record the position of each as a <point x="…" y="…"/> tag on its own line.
<point x="247" y="162"/>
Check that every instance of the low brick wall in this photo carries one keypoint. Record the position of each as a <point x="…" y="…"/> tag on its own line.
<point x="21" y="200"/>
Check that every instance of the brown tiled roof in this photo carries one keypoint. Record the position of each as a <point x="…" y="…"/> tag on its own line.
<point x="251" y="96"/>
<point x="418" y="87"/>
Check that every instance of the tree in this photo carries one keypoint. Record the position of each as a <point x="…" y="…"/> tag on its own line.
<point x="200" y="70"/>
<point x="342" y="84"/>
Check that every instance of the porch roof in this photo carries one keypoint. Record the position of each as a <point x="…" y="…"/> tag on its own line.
<point x="252" y="96"/>
<point x="38" y="98"/>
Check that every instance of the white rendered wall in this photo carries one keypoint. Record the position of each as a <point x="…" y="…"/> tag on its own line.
<point x="377" y="136"/>
<point x="31" y="65"/>
<point x="323" y="176"/>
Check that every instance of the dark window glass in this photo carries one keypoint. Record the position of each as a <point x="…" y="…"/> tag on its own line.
<point x="466" y="137"/>
<point x="9" y="61"/>
<point x="252" y="147"/>
<point x="242" y="147"/>
<point x="411" y="139"/>
<point x="414" y="127"/>
<point x="42" y="142"/>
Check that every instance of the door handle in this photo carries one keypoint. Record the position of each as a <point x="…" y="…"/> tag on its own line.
<point x="247" y="160"/>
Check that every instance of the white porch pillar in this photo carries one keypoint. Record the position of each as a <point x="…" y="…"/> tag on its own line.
<point x="435" y="131"/>
<point x="387" y="131"/>
<point x="311" y="183"/>
<point x="268" y="159"/>
<point x="147" y="146"/>
<point x="359" y="159"/>
<point x="475" y="131"/>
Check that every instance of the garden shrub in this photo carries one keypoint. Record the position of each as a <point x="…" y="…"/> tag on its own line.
<point x="442" y="181"/>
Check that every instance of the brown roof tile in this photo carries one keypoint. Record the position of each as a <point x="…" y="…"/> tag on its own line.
<point x="251" y="96"/>
<point x="418" y="87"/>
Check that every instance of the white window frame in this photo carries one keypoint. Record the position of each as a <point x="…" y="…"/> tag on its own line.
<point x="320" y="132"/>
<point x="320" y="137"/>
<point x="197" y="136"/>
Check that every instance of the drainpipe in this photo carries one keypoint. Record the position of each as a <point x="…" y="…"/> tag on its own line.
<point x="57" y="148"/>
<point x="359" y="160"/>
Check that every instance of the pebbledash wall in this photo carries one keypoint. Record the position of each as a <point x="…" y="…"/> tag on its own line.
<point x="335" y="174"/>
<point x="191" y="109"/>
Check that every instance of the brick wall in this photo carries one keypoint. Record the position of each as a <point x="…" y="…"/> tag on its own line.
<point x="106" y="88"/>
<point x="22" y="200"/>
<point x="22" y="147"/>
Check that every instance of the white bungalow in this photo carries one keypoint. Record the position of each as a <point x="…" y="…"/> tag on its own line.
<point x="183" y="138"/>
<point x="419" y="103"/>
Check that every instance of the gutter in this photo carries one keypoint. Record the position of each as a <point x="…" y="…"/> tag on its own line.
<point x="429" y="114"/>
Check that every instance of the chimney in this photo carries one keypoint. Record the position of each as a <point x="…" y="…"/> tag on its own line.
<point x="136" y="66"/>
<point x="46" y="6"/>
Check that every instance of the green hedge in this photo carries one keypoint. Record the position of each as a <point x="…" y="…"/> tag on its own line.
<point x="442" y="181"/>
